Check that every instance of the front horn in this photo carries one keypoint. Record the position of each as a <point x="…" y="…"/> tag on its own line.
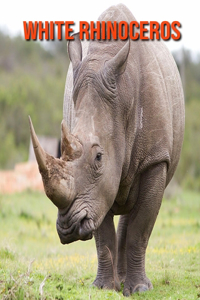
<point x="40" y="154"/>
<point x="57" y="174"/>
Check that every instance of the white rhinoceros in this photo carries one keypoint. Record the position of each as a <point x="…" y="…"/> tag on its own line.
<point x="124" y="105"/>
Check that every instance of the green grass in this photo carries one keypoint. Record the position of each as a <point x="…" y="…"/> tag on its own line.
<point x="34" y="265"/>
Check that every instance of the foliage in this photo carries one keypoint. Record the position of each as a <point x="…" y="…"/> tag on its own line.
<point x="34" y="264"/>
<point x="32" y="82"/>
<point x="188" y="172"/>
<point x="190" y="66"/>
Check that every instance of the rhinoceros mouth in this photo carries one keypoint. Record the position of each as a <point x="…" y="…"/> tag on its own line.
<point x="82" y="230"/>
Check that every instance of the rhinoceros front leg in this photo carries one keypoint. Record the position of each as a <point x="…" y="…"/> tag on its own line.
<point x="106" y="244"/>
<point x="141" y="222"/>
<point x="121" y="236"/>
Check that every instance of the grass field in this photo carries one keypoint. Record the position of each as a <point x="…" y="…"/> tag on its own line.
<point x="34" y="265"/>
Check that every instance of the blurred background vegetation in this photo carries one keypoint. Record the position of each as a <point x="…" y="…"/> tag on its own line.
<point x="32" y="80"/>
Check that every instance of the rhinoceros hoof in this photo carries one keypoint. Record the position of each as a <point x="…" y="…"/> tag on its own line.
<point x="135" y="288"/>
<point x="107" y="283"/>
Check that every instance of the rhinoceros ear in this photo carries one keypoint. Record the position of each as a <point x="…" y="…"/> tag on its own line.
<point x="118" y="63"/>
<point x="75" y="50"/>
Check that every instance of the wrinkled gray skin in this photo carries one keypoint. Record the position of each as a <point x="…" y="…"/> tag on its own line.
<point x="124" y="105"/>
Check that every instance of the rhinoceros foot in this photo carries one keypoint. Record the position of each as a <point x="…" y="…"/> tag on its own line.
<point x="132" y="287"/>
<point x="107" y="283"/>
<point x="122" y="276"/>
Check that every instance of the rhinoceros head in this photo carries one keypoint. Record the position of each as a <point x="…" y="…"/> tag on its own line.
<point x="84" y="182"/>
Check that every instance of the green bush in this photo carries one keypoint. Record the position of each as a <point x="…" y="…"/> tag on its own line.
<point x="32" y="82"/>
<point x="188" y="172"/>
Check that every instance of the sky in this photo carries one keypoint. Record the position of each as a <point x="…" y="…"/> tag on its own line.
<point x="13" y="13"/>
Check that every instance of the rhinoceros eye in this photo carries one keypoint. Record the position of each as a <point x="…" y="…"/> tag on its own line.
<point x="98" y="156"/>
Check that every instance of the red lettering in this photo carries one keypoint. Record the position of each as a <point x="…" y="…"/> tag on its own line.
<point x="143" y="30"/>
<point x="123" y="30"/>
<point x="96" y="29"/>
<point x="84" y="28"/>
<point x="178" y="36"/>
<point x="52" y="30"/>
<point x="154" y="30"/>
<point x="44" y="29"/>
<point x="103" y="30"/>
<point x="165" y="29"/>
<point x="131" y="28"/>
<point x="59" y="23"/>
<point x="31" y="31"/>
<point x="68" y="30"/>
<point x="112" y="30"/>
